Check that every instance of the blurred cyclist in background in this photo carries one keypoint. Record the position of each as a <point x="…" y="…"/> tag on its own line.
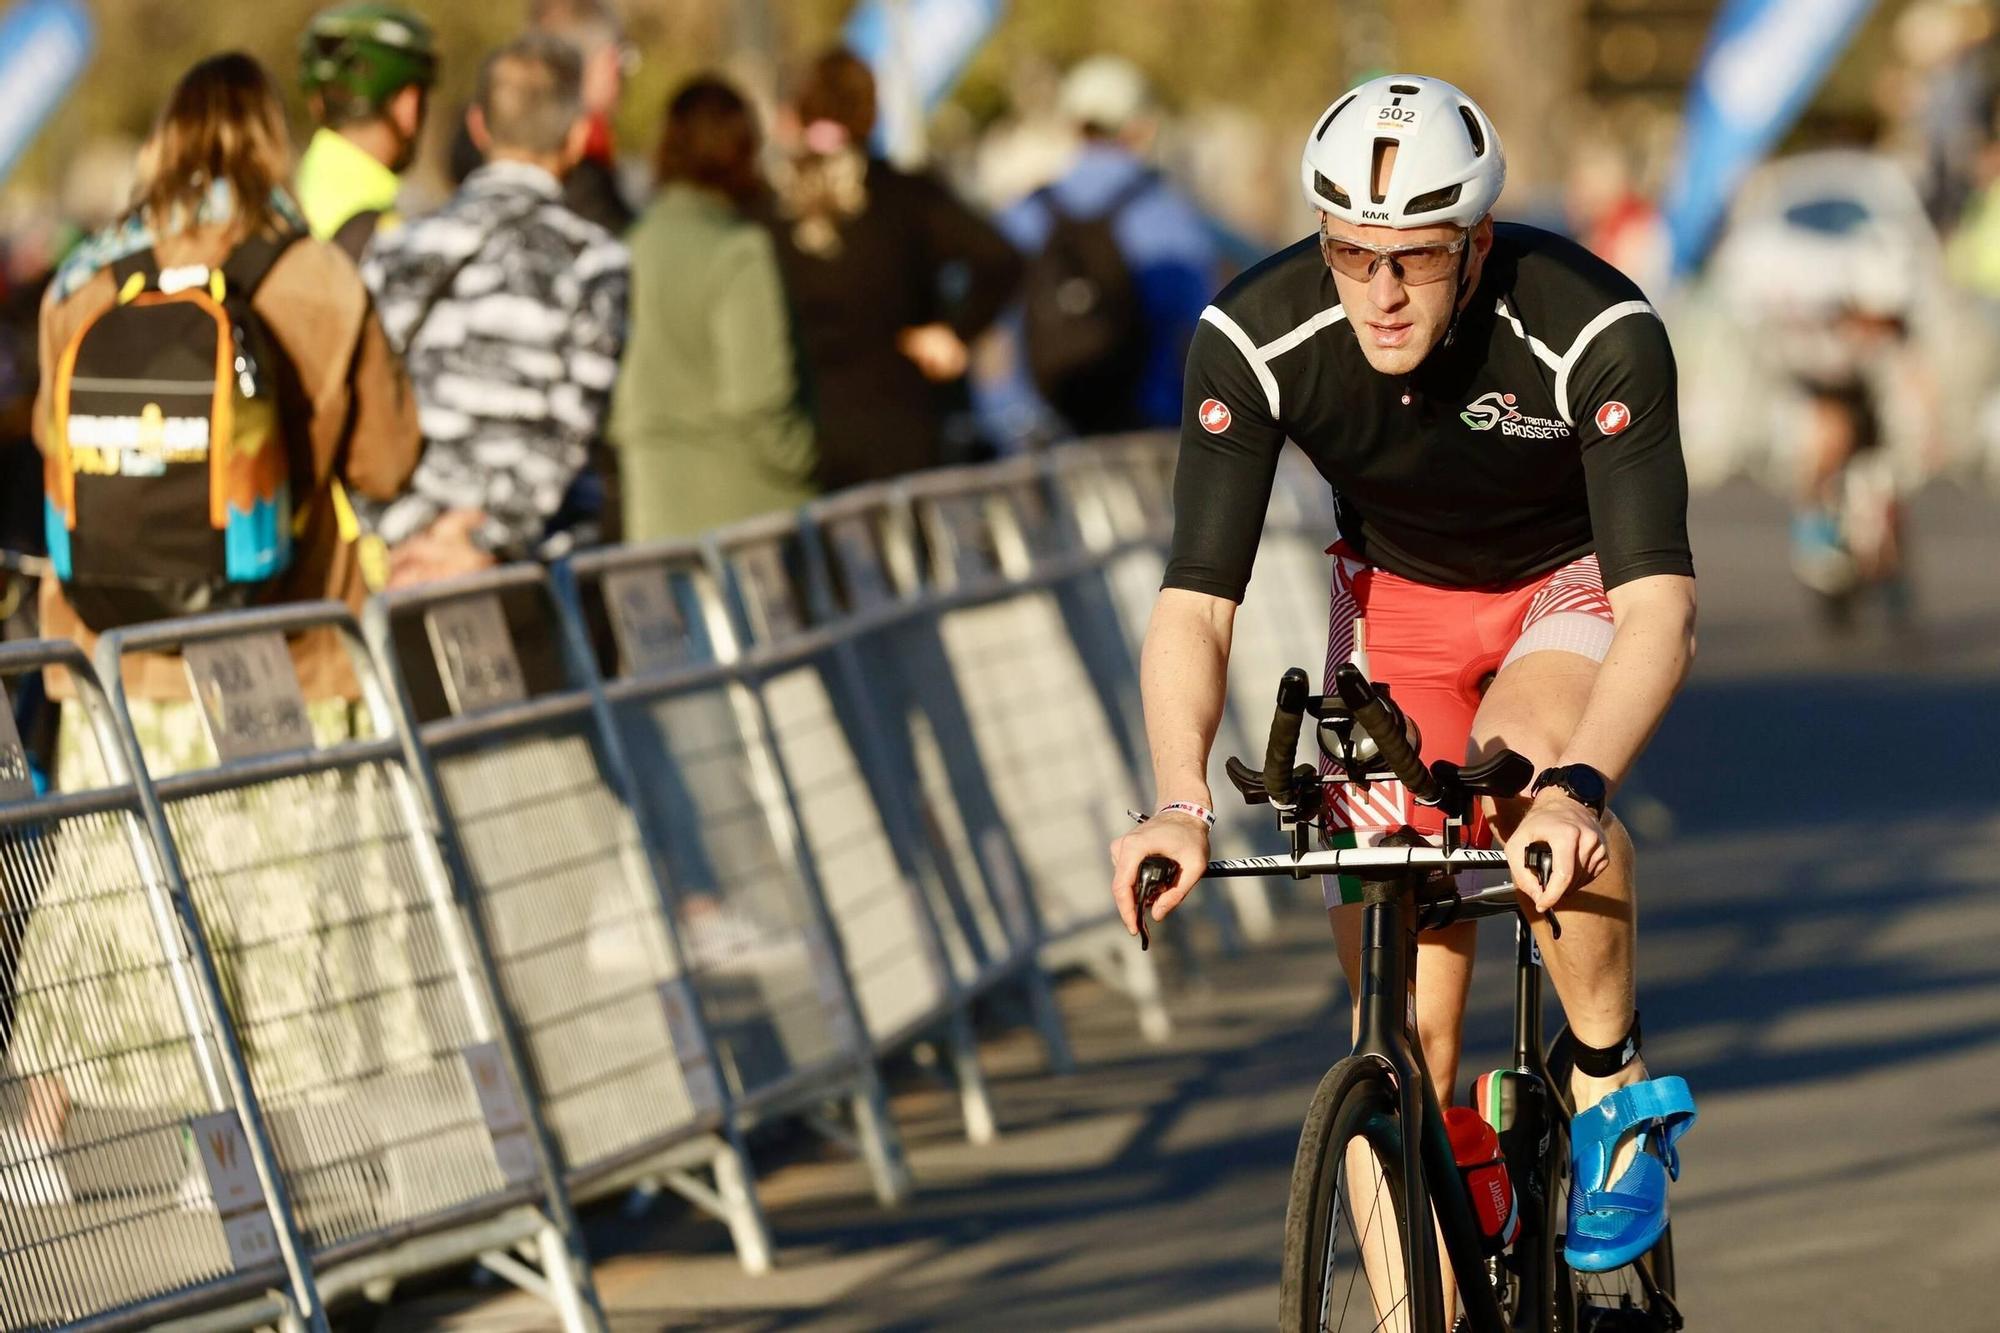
<point x="1832" y="281"/>
<point x="367" y="71"/>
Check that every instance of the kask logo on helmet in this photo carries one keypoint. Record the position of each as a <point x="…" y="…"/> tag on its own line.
<point x="1214" y="416"/>
<point x="1497" y="409"/>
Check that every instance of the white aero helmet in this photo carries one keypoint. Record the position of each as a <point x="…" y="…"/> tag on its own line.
<point x="1449" y="167"/>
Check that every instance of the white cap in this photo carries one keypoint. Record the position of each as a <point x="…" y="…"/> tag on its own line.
<point x="1106" y="91"/>
<point x="1449" y="166"/>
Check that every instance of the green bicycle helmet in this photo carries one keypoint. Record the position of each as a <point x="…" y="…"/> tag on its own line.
<point x="366" y="53"/>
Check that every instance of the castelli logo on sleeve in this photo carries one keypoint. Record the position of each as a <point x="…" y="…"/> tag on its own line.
<point x="1613" y="417"/>
<point x="1214" y="416"/>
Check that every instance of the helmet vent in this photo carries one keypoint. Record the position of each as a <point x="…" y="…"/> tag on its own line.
<point x="1338" y="107"/>
<point x="1405" y="89"/>
<point x="1430" y="203"/>
<point x="1379" y="169"/>
<point x="1472" y="131"/>
<point x="1328" y="190"/>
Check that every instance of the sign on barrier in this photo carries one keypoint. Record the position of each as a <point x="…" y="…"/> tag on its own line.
<point x="249" y="696"/>
<point x="651" y="630"/>
<point x="17" y="780"/>
<point x="475" y="655"/>
<point x="233" y="1187"/>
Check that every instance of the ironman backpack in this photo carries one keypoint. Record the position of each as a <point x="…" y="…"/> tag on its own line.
<point x="168" y="474"/>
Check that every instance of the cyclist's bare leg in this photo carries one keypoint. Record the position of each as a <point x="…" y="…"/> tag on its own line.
<point x="1531" y="707"/>
<point x="1831" y="437"/>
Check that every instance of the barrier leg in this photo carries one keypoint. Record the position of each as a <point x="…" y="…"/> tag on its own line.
<point x="974" y="1100"/>
<point x="742" y="1213"/>
<point x="1142" y="983"/>
<point x="1250" y="899"/>
<point x="1049" y="1020"/>
<point x="881" y="1146"/>
<point x="576" y="1309"/>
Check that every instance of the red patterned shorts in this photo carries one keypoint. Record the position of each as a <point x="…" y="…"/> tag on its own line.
<point x="1436" y="649"/>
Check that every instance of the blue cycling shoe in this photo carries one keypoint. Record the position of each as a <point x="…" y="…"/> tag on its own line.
<point x="1611" y="1225"/>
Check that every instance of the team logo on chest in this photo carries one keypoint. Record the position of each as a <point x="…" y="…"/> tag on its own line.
<point x="1497" y="409"/>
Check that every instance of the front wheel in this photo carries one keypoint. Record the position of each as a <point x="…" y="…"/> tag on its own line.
<point x="1347" y="1217"/>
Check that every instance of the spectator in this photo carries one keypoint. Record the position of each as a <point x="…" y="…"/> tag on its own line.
<point x="367" y="71"/>
<point x="1169" y="261"/>
<point x="592" y="27"/>
<point x="708" y="422"/>
<point x="867" y="253"/>
<point x="510" y="312"/>
<point x="213" y="177"/>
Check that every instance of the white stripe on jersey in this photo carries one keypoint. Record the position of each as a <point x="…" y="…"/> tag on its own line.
<point x="1535" y="345"/>
<point x="1234" y="332"/>
<point x="1605" y="317"/>
<point x="1260" y="358"/>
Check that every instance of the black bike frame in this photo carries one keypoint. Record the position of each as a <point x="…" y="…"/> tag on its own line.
<point x="1390" y="921"/>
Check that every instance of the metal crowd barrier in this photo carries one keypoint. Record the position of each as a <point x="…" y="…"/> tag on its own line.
<point x="607" y="869"/>
<point x="360" y="991"/>
<point x="1043" y="744"/>
<point x="1282" y="622"/>
<point x="1120" y="494"/>
<point x="137" y="1182"/>
<point x="713" y="798"/>
<point x="858" y="557"/>
<point x="534" y="798"/>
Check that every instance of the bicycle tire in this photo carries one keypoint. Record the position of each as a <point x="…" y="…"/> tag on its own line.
<point x="1621" y="1299"/>
<point x="1355" y="1101"/>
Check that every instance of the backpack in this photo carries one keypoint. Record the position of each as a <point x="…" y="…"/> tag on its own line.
<point x="168" y="477"/>
<point x="1085" y="337"/>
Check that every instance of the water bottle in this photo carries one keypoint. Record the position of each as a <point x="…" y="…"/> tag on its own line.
<point x="1517" y="1105"/>
<point x="1476" y="1149"/>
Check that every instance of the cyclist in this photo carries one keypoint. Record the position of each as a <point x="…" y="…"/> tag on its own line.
<point x="367" y="71"/>
<point x="1833" y="292"/>
<point x="1494" y="408"/>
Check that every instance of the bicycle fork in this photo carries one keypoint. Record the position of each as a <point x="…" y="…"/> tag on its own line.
<point x="1389" y="1036"/>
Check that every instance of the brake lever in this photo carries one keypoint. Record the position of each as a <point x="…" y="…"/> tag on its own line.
<point x="1157" y="874"/>
<point x="1542" y="861"/>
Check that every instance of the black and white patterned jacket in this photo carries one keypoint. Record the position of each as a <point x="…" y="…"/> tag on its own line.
<point x="510" y="312"/>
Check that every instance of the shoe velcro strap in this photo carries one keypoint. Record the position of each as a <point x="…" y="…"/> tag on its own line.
<point x="1662" y="1102"/>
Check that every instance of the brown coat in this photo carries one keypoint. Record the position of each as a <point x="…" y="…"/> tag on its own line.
<point x="363" y="430"/>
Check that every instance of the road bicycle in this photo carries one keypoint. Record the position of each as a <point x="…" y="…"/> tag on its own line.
<point x="1374" y="1153"/>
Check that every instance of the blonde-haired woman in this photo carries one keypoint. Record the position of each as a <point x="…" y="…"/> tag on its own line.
<point x="213" y="174"/>
<point x="891" y="278"/>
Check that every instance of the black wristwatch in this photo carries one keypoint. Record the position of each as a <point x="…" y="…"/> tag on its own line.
<point x="1580" y="782"/>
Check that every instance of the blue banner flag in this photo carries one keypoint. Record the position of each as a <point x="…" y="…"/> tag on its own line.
<point x="1764" y="61"/>
<point x="44" y="46"/>
<point x="917" y="48"/>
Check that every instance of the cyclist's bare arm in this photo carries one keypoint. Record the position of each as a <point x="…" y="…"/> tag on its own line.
<point x="1649" y="658"/>
<point x="1183" y="672"/>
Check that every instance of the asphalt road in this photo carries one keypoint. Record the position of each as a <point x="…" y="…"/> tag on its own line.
<point x="1820" y="834"/>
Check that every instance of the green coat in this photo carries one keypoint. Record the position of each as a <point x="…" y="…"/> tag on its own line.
<point x="707" y="416"/>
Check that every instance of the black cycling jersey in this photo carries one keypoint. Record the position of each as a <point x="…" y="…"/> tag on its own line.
<point x="1544" y="430"/>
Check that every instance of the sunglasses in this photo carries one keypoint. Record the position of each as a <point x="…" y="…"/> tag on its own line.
<point x="1413" y="265"/>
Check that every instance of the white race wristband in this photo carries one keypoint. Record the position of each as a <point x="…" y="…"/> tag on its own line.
<point x="1201" y="812"/>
